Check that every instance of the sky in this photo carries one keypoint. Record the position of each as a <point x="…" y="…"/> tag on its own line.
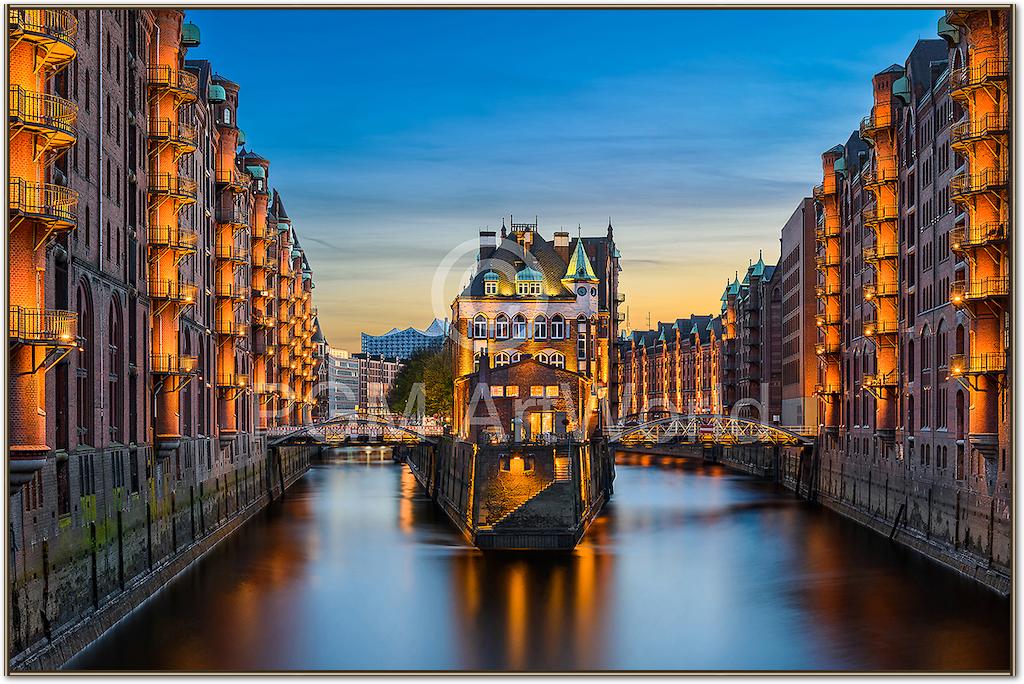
<point x="395" y="136"/>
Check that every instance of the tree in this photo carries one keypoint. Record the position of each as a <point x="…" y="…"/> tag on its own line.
<point x="425" y="379"/>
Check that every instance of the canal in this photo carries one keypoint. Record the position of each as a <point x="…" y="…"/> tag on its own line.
<point x="691" y="566"/>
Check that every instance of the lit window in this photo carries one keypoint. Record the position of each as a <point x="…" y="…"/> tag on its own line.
<point x="557" y="360"/>
<point x="542" y="358"/>
<point x="551" y="391"/>
<point x="581" y="347"/>
<point x="519" y="327"/>
<point x="480" y="327"/>
<point x="501" y="327"/>
<point x="540" y="328"/>
<point x="490" y="288"/>
<point x="557" y="328"/>
<point x="497" y="390"/>
<point x="502" y="359"/>
<point x="512" y="390"/>
<point x="537" y="390"/>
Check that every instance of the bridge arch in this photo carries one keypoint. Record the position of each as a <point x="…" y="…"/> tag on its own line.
<point x="348" y="420"/>
<point x="704" y="428"/>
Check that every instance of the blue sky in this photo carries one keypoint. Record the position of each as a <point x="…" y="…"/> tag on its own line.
<point x="395" y="135"/>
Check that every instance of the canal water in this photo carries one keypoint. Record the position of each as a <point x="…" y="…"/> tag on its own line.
<point x="690" y="567"/>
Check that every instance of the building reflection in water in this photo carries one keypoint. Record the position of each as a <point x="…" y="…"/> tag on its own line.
<point x="691" y="566"/>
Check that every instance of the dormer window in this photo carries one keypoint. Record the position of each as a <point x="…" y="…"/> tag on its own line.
<point x="490" y="283"/>
<point x="528" y="282"/>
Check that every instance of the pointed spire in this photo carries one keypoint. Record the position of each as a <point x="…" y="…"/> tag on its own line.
<point x="504" y="230"/>
<point x="579" y="268"/>
<point x="609" y="227"/>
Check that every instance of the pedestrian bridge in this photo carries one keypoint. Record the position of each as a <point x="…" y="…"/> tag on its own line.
<point x="356" y="428"/>
<point x="663" y="428"/>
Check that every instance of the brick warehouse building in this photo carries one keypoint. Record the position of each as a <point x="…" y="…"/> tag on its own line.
<point x="899" y="270"/>
<point x="161" y="316"/>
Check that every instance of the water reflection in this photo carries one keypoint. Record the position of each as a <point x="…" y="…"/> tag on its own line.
<point x="691" y="567"/>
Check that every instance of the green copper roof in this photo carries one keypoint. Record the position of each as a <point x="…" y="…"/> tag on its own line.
<point x="948" y="31"/>
<point x="189" y="35"/>
<point x="840" y="166"/>
<point x="296" y="254"/>
<point x="491" y="276"/>
<point x="759" y="267"/>
<point x="241" y="137"/>
<point x="216" y="94"/>
<point x="734" y="288"/>
<point x="256" y="171"/>
<point x="579" y="267"/>
<point x="529" y="274"/>
<point x="901" y="89"/>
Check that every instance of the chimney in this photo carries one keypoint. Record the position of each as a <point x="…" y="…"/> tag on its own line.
<point x="562" y="245"/>
<point x="488" y="243"/>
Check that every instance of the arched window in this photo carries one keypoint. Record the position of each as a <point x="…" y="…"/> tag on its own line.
<point x="85" y="395"/>
<point x="910" y="360"/>
<point x="480" y="327"/>
<point x="557" y="360"/>
<point x="514" y="357"/>
<point x="910" y="415"/>
<point x="519" y="327"/>
<point x="557" y="327"/>
<point x="227" y="115"/>
<point x="501" y="359"/>
<point x="116" y="372"/>
<point x="581" y="337"/>
<point x="501" y="327"/>
<point x="540" y="328"/>
<point x="542" y="357"/>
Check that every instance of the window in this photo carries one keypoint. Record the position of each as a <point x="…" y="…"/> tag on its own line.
<point x="480" y="327"/>
<point x="540" y="328"/>
<point x="557" y="327"/>
<point x="227" y="115"/>
<point x="501" y="359"/>
<point x="557" y="360"/>
<point x="537" y="390"/>
<point x="519" y="327"/>
<point x="490" y="287"/>
<point x="512" y="390"/>
<point x="497" y="390"/>
<point x="501" y="327"/>
<point x="542" y="358"/>
<point x="551" y="391"/>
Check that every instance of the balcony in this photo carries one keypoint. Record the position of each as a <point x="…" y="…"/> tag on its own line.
<point x="261" y="260"/>
<point x="873" y="291"/>
<point x="830" y="228"/>
<point x="988" y="180"/>
<point x="233" y="216"/>
<point x="874" y="122"/>
<point x="823" y="261"/>
<point x="232" y="179"/>
<point x="182" y="137"/>
<point x="45" y="327"/>
<point x="823" y="320"/>
<point x="826" y="348"/>
<point x="961" y="365"/>
<point x="229" y="291"/>
<point x="826" y="290"/>
<point x="879" y="380"/>
<point x="174" y="238"/>
<point x="234" y="253"/>
<point x="229" y="327"/>
<point x="882" y="171"/>
<point x="262" y="320"/>
<point x="962" y="292"/>
<point x="52" y="29"/>
<point x="54" y="205"/>
<point x="172" y="290"/>
<point x="46" y="115"/>
<point x="232" y="380"/>
<point x="880" y="328"/>
<point x="260" y="232"/>
<point x="822" y="389"/>
<point x="180" y="83"/>
<point x="989" y="126"/>
<point x="878" y="214"/>
<point x="173" y="364"/>
<point x="876" y="253"/>
<point x="961" y="239"/>
<point x="969" y="77"/>
<point x="818" y="192"/>
<point x="173" y="186"/>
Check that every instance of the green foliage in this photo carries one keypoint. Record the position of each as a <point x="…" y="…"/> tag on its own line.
<point x="426" y="381"/>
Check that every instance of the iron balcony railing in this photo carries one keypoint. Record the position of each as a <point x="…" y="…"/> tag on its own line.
<point x="818" y="192"/>
<point x="874" y="291"/>
<point x="990" y="69"/>
<point x="232" y="215"/>
<point x="826" y="261"/>
<point x="183" y="83"/>
<point x="961" y="291"/>
<point x="179" y="134"/>
<point x="877" y="214"/>
<point x="879" y="379"/>
<point x="827" y="389"/>
<point x="986" y="180"/>
<point x="229" y="326"/>
<point x="232" y="179"/>
<point x="234" y="380"/>
<point x="826" y="290"/>
<point x="232" y="253"/>
<point x="882" y="170"/>
<point x="873" y="122"/>
<point x="979" y="364"/>
<point x="877" y="328"/>
<point x="53" y="204"/>
<point x="49" y="24"/>
<point x="173" y="237"/>
<point x="988" y="125"/>
<point x="229" y="290"/>
<point x="826" y="348"/>
<point x="260" y="232"/>
<point x="172" y="185"/>
<point x="43" y="112"/>
<point x="43" y="326"/>
<point x="173" y="364"/>
<point x="821" y="320"/>
<point x="876" y="253"/>
<point x="172" y="290"/>
<point x="261" y="260"/>
<point x="828" y="228"/>
<point x="977" y="236"/>
<point x="262" y="320"/>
